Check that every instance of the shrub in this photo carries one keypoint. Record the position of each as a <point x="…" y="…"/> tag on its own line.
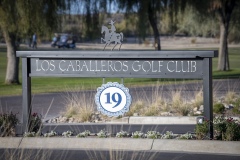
<point x="83" y="134"/>
<point x="198" y="99"/>
<point x="218" y="108"/>
<point x="102" y="134"/>
<point x="226" y="129"/>
<point x="152" y="110"/>
<point x="71" y="111"/>
<point x="163" y="104"/>
<point x="50" y="134"/>
<point x="67" y="134"/>
<point x="153" y="135"/>
<point x="230" y="97"/>
<point x="137" y="134"/>
<point x="8" y="123"/>
<point x="122" y="134"/>
<point x="185" y="109"/>
<point x="136" y="107"/>
<point x="219" y="127"/>
<point x="158" y="101"/>
<point x="78" y="107"/>
<point x="179" y="105"/>
<point x="29" y="134"/>
<point x="177" y="101"/>
<point x="84" y="114"/>
<point x="35" y="123"/>
<point x="232" y="130"/>
<point x="236" y="108"/>
<point x="202" y="129"/>
<point x="186" y="136"/>
<point x="168" y="135"/>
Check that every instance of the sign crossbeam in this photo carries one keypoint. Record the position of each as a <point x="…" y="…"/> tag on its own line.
<point x="118" y="54"/>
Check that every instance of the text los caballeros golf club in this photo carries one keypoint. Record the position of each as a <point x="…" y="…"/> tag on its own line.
<point x="134" y="67"/>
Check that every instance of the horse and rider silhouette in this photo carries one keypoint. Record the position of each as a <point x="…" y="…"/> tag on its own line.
<point x="111" y="36"/>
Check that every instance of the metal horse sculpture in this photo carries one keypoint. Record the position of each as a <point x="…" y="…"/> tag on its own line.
<point x="111" y="37"/>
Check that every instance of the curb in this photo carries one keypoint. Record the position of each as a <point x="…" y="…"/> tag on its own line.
<point x="163" y="120"/>
<point x="160" y="145"/>
<point x="153" y="120"/>
<point x="198" y="146"/>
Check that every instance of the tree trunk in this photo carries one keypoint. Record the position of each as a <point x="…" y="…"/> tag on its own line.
<point x="224" y="12"/>
<point x="12" y="71"/>
<point x="223" y="60"/>
<point x="152" y="19"/>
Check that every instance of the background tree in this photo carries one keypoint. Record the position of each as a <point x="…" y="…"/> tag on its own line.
<point x="151" y="11"/>
<point x="148" y="11"/>
<point x="190" y="22"/>
<point x="92" y="14"/>
<point x="225" y="10"/>
<point x="222" y="10"/>
<point x="22" y="18"/>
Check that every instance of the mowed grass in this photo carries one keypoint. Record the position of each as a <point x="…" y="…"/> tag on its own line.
<point x="234" y="58"/>
<point x="60" y="84"/>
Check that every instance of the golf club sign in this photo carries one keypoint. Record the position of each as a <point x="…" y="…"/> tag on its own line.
<point x="113" y="99"/>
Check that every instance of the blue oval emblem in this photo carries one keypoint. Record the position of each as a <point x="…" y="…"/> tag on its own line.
<point x="113" y="99"/>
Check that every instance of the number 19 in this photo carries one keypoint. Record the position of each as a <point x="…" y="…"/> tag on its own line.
<point x="117" y="100"/>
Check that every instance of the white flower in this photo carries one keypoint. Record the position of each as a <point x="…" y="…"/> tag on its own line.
<point x="50" y="134"/>
<point x="67" y="134"/>
<point x="122" y="134"/>
<point x="84" y="134"/>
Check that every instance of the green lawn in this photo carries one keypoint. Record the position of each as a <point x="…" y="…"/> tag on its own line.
<point x="43" y="85"/>
<point x="234" y="58"/>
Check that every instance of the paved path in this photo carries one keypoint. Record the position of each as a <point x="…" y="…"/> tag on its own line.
<point x="52" y="104"/>
<point x="66" y="154"/>
<point x="117" y="149"/>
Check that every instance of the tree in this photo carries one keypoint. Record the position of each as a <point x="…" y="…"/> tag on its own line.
<point x="22" y="18"/>
<point x="150" y="11"/>
<point x="9" y="17"/>
<point x="93" y="11"/>
<point x="224" y="10"/>
<point x="147" y="10"/>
